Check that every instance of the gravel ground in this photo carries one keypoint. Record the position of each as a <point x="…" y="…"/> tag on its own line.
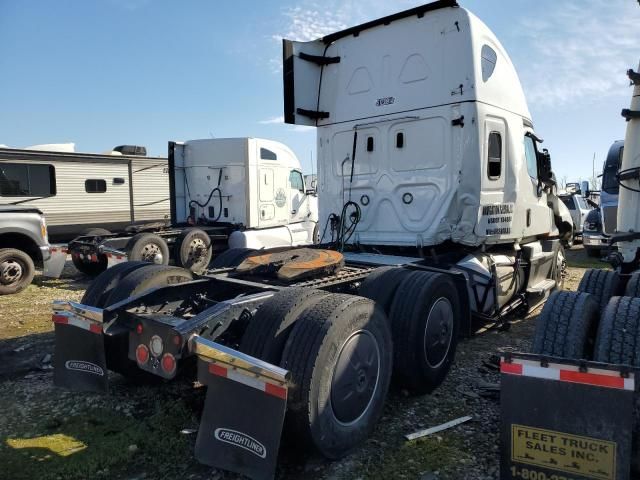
<point x="135" y="431"/>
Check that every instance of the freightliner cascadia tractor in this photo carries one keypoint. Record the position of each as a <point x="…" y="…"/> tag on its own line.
<point x="437" y="210"/>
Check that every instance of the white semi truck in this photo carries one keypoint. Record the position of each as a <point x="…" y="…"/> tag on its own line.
<point x="243" y="193"/>
<point x="437" y="208"/>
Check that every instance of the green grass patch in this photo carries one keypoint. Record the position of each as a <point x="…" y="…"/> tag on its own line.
<point x="410" y="459"/>
<point x="99" y="443"/>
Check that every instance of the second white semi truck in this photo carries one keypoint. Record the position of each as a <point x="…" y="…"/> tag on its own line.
<point x="437" y="205"/>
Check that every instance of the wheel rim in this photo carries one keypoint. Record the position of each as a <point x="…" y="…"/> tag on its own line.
<point x="355" y="377"/>
<point x="197" y="249"/>
<point x="11" y="271"/>
<point x="438" y="332"/>
<point x="151" y="253"/>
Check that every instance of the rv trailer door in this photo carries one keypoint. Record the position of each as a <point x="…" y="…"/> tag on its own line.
<point x="303" y="64"/>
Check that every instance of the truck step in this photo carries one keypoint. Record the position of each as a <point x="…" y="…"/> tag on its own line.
<point x="542" y="287"/>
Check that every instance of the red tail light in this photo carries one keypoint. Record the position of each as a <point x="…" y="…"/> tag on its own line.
<point x="142" y="354"/>
<point x="168" y="363"/>
<point x="177" y="340"/>
<point x="139" y="329"/>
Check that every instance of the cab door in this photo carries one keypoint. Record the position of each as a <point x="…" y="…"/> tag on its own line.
<point x="299" y="201"/>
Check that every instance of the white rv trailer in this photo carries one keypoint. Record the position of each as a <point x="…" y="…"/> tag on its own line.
<point x="80" y="191"/>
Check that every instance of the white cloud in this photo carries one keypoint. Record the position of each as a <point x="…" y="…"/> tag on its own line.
<point x="272" y="120"/>
<point x="579" y="50"/>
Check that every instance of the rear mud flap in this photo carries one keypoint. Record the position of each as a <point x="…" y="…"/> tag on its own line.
<point x="565" y="419"/>
<point x="55" y="264"/>
<point x="244" y="411"/>
<point x="79" y="359"/>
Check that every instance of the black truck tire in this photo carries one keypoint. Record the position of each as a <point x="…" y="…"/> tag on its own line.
<point x="92" y="268"/>
<point x="193" y="250"/>
<point x="142" y="279"/>
<point x="633" y="286"/>
<point x="565" y="326"/>
<point x="339" y="354"/>
<point x="16" y="270"/>
<point x="267" y="333"/>
<point x="148" y="247"/>
<point x="381" y="285"/>
<point x="425" y="321"/>
<point x="618" y="339"/>
<point x="101" y="287"/>
<point x="232" y="257"/>
<point x="602" y="284"/>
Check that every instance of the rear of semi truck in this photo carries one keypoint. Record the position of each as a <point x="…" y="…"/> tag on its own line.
<point x="437" y="207"/>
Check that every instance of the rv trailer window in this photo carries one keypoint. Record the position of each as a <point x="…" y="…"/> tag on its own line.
<point x="295" y="178"/>
<point x="267" y="154"/>
<point x="531" y="157"/>
<point x="95" y="186"/>
<point x="494" y="164"/>
<point x="27" y="180"/>
<point x="488" y="62"/>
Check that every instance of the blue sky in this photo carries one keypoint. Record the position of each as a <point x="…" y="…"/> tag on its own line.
<point x="110" y="72"/>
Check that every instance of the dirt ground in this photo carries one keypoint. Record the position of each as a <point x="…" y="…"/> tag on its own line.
<point x="147" y="432"/>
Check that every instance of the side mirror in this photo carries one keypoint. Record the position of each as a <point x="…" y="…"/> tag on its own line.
<point x="584" y="187"/>
<point x="544" y="168"/>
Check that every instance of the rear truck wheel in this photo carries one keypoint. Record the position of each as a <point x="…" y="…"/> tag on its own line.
<point x="148" y="247"/>
<point x="267" y="333"/>
<point x="102" y="286"/>
<point x="618" y="342"/>
<point x="193" y="250"/>
<point x="232" y="257"/>
<point x="133" y="283"/>
<point x="87" y="266"/>
<point x="316" y="235"/>
<point x="602" y="284"/>
<point x="560" y="269"/>
<point x="143" y="279"/>
<point x="381" y="285"/>
<point x="633" y="286"/>
<point x="618" y="339"/>
<point x="425" y="321"/>
<point x="340" y="356"/>
<point x="566" y="326"/>
<point x="16" y="270"/>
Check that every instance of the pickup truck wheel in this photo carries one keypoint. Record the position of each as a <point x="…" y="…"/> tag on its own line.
<point x="340" y="355"/>
<point x="381" y="285"/>
<point x="618" y="339"/>
<point x="16" y="271"/>
<point x="193" y="250"/>
<point x="425" y="320"/>
<point x="633" y="286"/>
<point x="602" y="284"/>
<point x="101" y="287"/>
<point x="267" y="333"/>
<point x="148" y="247"/>
<point x="566" y="326"/>
<point x="232" y="257"/>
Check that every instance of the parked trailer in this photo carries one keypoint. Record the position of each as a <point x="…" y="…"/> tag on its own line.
<point x="433" y="213"/>
<point x="82" y="191"/>
<point x="579" y="385"/>
<point x="246" y="193"/>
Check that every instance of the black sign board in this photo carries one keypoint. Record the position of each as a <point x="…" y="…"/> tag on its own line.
<point x="564" y="422"/>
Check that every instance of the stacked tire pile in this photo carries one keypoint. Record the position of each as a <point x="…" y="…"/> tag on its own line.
<point x="599" y="322"/>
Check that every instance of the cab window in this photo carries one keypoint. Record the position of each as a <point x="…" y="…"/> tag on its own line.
<point x="530" y="154"/>
<point x="568" y="201"/>
<point x="296" y="180"/>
